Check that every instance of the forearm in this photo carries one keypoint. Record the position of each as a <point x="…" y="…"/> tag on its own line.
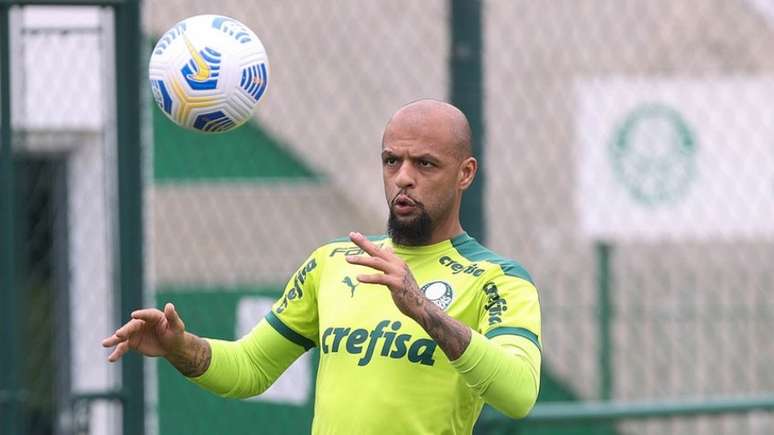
<point x="249" y="366"/>
<point x="451" y="335"/>
<point x="504" y="371"/>
<point x="193" y="358"/>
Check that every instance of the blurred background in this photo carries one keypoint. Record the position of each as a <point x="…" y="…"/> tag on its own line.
<point x="627" y="150"/>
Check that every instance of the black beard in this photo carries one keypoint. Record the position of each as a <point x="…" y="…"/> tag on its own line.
<point x="412" y="232"/>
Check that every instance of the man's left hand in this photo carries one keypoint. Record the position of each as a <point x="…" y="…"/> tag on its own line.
<point x="451" y="335"/>
<point x="396" y="275"/>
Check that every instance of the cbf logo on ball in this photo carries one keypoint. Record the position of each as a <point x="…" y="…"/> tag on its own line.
<point x="208" y="73"/>
<point x="439" y="293"/>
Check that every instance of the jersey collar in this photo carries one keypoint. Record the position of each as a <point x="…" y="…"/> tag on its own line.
<point x="431" y="249"/>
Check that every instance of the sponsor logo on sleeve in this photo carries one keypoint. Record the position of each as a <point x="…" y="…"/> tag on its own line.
<point x="297" y="291"/>
<point x="495" y="304"/>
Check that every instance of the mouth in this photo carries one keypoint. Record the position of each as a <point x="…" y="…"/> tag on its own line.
<point x="403" y="205"/>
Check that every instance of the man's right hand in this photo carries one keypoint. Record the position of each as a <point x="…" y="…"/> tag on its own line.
<point x="150" y="332"/>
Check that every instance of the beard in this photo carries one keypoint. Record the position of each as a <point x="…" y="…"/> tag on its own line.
<point x="410" y="231"/>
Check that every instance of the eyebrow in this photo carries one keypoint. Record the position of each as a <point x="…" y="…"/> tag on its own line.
<point x="428" y="157"/>
<point x="424" y="156"/>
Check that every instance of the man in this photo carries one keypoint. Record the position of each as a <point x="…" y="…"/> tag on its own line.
<point x="416" y="330"/>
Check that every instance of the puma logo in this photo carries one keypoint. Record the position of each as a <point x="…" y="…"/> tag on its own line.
<point x="348" y="281"/>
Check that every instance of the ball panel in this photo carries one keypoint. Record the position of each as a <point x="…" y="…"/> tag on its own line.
<point x="213" y="122"/>
<point x="161" y="95"/>
<point x="255" y="79"/>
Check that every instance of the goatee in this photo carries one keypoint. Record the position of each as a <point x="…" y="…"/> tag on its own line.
<point x="414" y="231"/>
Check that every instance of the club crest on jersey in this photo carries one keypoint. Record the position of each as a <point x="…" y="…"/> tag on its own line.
<point x="439" y="293"/>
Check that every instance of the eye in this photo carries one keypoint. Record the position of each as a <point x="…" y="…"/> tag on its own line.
<point x="389" y="161"/>
<point x="426" y="164"/>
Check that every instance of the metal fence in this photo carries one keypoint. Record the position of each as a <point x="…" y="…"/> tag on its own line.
<point x="71" y="258"/>
<point x="627" y="163"/>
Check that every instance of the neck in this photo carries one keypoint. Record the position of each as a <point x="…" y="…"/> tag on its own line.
<point x="446" y="230"/>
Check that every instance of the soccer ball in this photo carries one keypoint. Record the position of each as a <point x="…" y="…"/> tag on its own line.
<point x="208" y="72"/>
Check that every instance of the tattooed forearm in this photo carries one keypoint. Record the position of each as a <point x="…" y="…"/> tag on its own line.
<point x="451" y="335"/>
<point x="194" y="359"/>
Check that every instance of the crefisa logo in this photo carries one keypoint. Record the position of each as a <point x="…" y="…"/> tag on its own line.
<point x="439" y="293"/>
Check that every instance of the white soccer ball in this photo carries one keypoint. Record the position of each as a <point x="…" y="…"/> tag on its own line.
<point x="208" y="72"/>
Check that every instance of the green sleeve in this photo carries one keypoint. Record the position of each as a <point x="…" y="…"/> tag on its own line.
<point x="504" y="371"/>
<point x="248" y="366"/>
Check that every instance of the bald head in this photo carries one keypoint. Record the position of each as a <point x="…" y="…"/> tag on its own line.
<point x="436" y="120"/>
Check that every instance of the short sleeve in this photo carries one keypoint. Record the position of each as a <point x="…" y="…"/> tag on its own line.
<point x="510" y="307"/>
<point x="294" y="315"/>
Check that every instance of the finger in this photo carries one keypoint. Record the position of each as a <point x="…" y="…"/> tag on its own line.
<point x="378" y="278"/>
<point x="119" y="351"/>
<point x="389" y="254"/>
<point x="174" y="320"/>
<point x="112" y="341"/>
<point x="372" y="262"/>
<point x="131" y="327"/>
<point x="150" y="315"/>
<point x="365" y="244"/>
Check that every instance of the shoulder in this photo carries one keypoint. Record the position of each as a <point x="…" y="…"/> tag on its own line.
<point x="473" y="251"/>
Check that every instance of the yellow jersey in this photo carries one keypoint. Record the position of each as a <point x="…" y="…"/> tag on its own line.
<point x="379" y="371"/>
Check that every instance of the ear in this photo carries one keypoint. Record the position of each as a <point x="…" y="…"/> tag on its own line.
<point x="468" y="169"/>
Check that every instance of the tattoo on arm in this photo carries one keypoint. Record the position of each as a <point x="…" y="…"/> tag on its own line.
<point x="194" y="360"/>
<point x="451" y="335"/>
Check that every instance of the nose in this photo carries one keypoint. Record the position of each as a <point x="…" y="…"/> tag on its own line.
<point x="404" y="179"/>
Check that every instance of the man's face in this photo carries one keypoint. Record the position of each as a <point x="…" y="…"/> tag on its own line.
<point x="421" y="169"/>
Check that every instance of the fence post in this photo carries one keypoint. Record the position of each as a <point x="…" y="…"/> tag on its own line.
<point x="11" y="417"/>
<point x="466" y="81"/>
<point x="129" y="72"/>
<point x="605" y="319"/>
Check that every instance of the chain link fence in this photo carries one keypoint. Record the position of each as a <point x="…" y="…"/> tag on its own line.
<point x="628" y="159"/>
<point x="628" y="125"/>
<point x="637" y="126"/>
<point x="63" y="223"/>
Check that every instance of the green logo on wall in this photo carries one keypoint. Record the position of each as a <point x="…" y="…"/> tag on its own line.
<point x="653" y="153"/>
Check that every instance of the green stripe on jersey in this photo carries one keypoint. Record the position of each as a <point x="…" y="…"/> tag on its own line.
<point x="288" y="333"/>
<point x="469" y="248"/>
<point x="521" y="332"/>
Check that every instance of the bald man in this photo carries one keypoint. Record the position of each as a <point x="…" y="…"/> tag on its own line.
<point x="417" y="329"/>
